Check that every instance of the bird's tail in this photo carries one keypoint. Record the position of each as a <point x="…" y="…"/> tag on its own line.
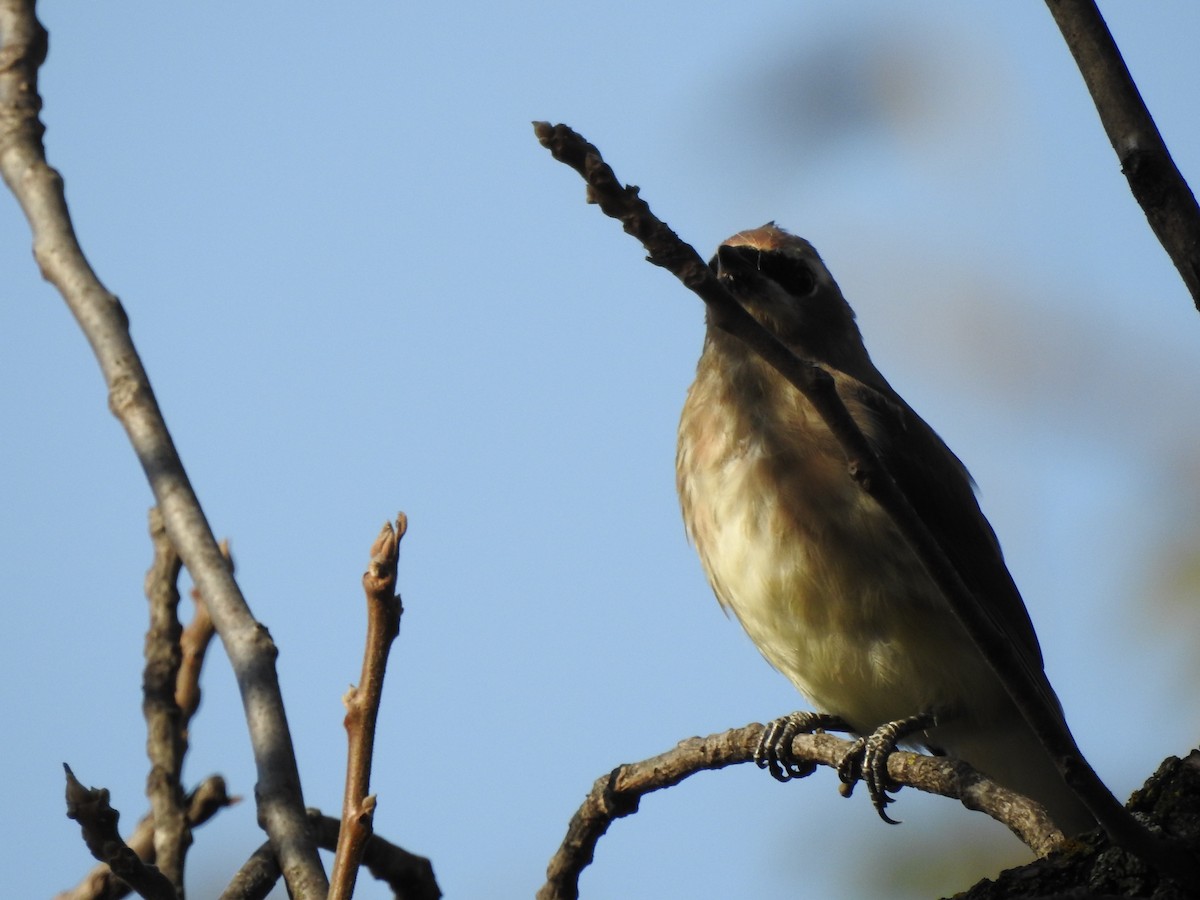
<point x="1009" y="753"/>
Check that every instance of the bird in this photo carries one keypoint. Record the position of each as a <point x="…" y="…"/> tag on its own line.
<point x="817" y="572"/>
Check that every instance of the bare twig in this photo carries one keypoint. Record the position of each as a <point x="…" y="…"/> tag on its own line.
<point x="101" y="884"/>
<point x="667" y="250"/>
<point x="1156" y="182"/>
<point x="39" y="190"/>
<point x="202" y="804"/>
<point x="409" y="876"/>
<point x="362" y="706"/>
<point x="618" y="794"/>
<point x="193" y="646"/>
<point x="98" y="822"/>
<point x="164" y="739"/>
<point x="255" y="879"/>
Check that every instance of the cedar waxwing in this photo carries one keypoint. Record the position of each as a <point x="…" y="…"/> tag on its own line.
<point x="814" y="569"/>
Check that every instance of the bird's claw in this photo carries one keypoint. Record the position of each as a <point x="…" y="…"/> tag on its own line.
<point x="774" y="750"/>
<point x="867" y="760"/>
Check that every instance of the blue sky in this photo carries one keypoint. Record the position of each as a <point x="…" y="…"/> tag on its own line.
<point x="360" y="285"/>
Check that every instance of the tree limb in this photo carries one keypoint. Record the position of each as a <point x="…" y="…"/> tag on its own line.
<point x="1156" y="182"/>
<point x="39" y="190"/>
<point x="618" y="793"/>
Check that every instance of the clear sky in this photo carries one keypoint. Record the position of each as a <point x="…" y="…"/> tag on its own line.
<point x="360" y="285"/>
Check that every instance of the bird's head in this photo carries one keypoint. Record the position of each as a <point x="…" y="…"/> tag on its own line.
<point x="780" y="279"/>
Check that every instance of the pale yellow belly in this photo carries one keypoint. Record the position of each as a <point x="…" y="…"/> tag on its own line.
<point x="828" y="590"/>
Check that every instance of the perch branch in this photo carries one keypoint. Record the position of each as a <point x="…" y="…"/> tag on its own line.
<point x="362" y="706"/>
<point x="667" y="250"/>
<point x="409" y="876"/>
<point x="1156" y="182"/>
<point x="618" y="794"/>
<point x="39" y="190"/>
<point x="202" y="804"/>
<point x="164" y="725"/>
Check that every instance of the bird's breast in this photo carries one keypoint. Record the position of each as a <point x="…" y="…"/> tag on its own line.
<point x="811" y="565"/>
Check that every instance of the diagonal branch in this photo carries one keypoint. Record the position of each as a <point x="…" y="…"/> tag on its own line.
<point x="667" y="250"/>
<point x="362" y="706"/>
<point x="202" y="804"/>
<point x="39" y="189"/>
<point x="1156" y="182"/>
<point x="618" y="793"/>
<point x="98" y="822"/>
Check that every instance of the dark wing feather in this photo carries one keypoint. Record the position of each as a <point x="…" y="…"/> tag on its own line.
<point x="940" y="489"/>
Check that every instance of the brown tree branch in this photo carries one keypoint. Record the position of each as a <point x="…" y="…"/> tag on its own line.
<point x="618" y="794"/>
<point x="409" y="876"/>
<point x="39" y="190"/>
<point x="667" y="250"/>
<point x="362" y="706"/>
<point x="1156" y="182"/>
<point x="202" y="804"/>
<point x="193" y="647"/>
<point x="98" y="822"/>
<point x="164" y="726"/>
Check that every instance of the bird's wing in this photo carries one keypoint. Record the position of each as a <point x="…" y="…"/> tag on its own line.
<point x="940" y="489"/>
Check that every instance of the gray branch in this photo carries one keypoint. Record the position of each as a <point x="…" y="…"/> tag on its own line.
<point x="1156" y="182"/>
<point x="39" y="190"/>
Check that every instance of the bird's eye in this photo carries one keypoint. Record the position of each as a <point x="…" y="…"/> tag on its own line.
<point x="793" y="275"/>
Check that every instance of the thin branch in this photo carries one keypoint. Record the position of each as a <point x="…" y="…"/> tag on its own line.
<point x="618" y="794"/>
<point x="164" y="738"/>
<point x="362" y="706"/>
<point x="193" y="647"/>
<point x="202" y="804"/>
<point x="256" y="878"/>
<point x="667" y="250"/>
<point x="39" y="190"/>
<point x="1156" y="182"/>
<point x="409" y="876"/>
<point x="98" y="822"/>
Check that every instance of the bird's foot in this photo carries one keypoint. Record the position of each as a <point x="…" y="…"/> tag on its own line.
<point x="867" y="760"/>
<point x="774" y="750"/>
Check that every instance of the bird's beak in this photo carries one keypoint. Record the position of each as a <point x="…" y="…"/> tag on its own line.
<point x="732" y="260"/>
